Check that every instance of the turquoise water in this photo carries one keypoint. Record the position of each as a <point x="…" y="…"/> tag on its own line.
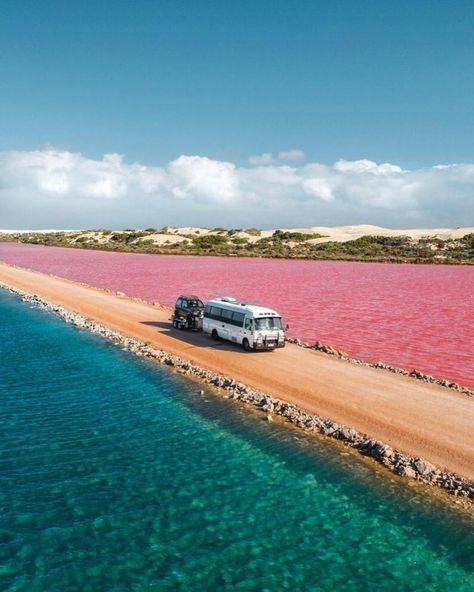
<point x="115" y="475"/>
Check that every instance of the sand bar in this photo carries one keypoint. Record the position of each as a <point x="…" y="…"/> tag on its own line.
<point x="413" y="417"/>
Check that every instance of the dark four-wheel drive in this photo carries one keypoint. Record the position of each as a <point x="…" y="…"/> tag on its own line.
<point x="188" y="313"/>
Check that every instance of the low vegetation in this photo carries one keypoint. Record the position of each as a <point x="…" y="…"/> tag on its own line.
<point x="256" y="243"/>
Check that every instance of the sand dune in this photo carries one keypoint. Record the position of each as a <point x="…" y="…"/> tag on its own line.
<point x="348" y="233"/>
<point x="338" y="234"/>
<point x="174" y="235"/>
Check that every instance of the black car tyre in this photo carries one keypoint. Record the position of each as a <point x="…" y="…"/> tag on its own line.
<point x="215" y="335"/>
<point x="246" y="344"/>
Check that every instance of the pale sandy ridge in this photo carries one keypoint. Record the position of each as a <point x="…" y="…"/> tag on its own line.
<point x="338" y="234"/>
<point x="415" y="418"/>
<point x="342" y="234"/>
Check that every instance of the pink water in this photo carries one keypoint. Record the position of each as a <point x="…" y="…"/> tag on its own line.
<point x="411" y="316"/>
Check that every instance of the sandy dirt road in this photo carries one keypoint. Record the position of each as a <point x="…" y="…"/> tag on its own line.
<point x="415" y="418"/>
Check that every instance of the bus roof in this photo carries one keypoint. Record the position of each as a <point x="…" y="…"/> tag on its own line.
<point x="256" y="311"/>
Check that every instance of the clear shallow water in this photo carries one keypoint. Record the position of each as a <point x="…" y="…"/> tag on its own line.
<point x="116" y="476"/>
<point x="412" y="316"/>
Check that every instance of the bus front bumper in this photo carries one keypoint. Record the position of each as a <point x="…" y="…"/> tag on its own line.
<point x="268" y="344"/>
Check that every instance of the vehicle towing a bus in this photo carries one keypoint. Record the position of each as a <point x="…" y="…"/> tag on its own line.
<point x="188" y="313"/>
<point x="254" y="327"/>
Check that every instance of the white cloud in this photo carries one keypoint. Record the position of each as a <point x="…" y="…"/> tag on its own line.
<point x="366" y="166"/>
<point x="202" y="178"/>
<point x="54" y="188"/>
<point x="267" y="158"/>
<point x="259" y="159"/>
<point x="319" y="188"/>
<point x="294" y="155"/>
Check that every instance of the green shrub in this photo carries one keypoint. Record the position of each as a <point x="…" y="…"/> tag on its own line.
<point x="209" y="240"/>
<point x="293" y="236"/>
<point x="253" y="231"/>
<point x="468" y="239"/>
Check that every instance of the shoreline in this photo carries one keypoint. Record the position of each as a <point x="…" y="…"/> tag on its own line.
<point x="395" y="461"/>
<point x="249" y="255"/>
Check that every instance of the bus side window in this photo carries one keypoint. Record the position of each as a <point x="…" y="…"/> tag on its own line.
<point x="248" y="324"/>
<point x="226" y="315"/>
<point x="215" y="313"/>
<point x="238" y="319"/>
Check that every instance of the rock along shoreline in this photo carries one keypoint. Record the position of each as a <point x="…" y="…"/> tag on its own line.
<point x="395" y="461"/>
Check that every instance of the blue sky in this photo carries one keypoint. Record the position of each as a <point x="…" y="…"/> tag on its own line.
<point x="387" y="82"/>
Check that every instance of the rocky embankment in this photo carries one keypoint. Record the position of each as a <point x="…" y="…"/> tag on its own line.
<point x="395" y="461"/>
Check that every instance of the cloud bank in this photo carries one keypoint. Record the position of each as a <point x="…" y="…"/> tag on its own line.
<point x="57" y="188"/>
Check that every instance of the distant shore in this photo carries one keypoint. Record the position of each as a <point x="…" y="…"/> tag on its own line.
<point x="453" y="246"/>
<point x="416" y="429"/>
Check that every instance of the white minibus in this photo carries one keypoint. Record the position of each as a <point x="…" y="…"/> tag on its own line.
<point x="254" y="327"/>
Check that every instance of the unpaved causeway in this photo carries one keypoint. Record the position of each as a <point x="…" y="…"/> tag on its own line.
<point x="416" y="418"/>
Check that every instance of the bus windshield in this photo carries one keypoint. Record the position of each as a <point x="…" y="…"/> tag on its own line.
<point x="265" y="323"/>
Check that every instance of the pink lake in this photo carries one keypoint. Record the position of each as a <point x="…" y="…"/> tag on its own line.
<point x="411" y="316"/>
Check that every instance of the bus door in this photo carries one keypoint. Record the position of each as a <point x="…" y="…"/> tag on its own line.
<point x="224" y="328"/>
<point x="238" y="325"/>
<point x="248" y="329"/>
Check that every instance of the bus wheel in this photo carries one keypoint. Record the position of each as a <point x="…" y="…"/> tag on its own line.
<point x="246" y="344"/>
<point x="215" y="335"/>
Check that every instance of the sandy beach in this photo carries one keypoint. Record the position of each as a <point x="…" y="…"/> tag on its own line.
<point x="415" y="418"/>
